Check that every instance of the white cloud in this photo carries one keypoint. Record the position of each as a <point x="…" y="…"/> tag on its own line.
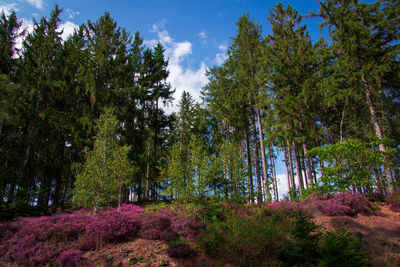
<point x="39" y="4"/>
<point x="202" y="34"/>
<point x="181" y="77"/>
<point x="68" y="29"/>
<point x="180" y="50"/>
<point x="27" y="25"/>
<point x="8" y="8"/>
<point x="222" y="56"/>
<point x="156" y="27"/>
<point x="71" y="13"/>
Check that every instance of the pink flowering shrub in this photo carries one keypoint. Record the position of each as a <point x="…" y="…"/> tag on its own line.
<point x="357" y="202"/>
<point x="394" y="200"/>
<point x="109" y="227"/>
<point x="395" y="206"/>
<point x="341" y="204"/>
<point x="187" y="226"/>
<point x="334" y="209"/>
<point x="284" y="206"/>
<point x="157" y="226"/>
<point x="70" y="258"/>
<point x="43" y="240"/>
<point x="129" y="208"/>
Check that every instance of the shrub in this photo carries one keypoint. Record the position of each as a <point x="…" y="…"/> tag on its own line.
<point x="129" y="208"/>
<point x="40" y="241"/>
<point x="300" y="246"/>
<point x="243" y="241"/>
<point x="187" y="227"/>
<point x="357" y="202"/>
<point x="157" y="227"/>
<point x="394" y="200"/>
<point x="334" y="209"/>
<point x="395" y="206"/>
<point x="286" y="207"/>
<point x="70" y="258"/>
<point x="212" y="240"/>
<point x="109" y="227"/>
<point x="341" y="248"/>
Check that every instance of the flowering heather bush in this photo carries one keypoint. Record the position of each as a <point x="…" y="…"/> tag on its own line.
<point x="70" y="258"/>
<point x="395" y="206"/>
<point x="109" y="227"/>
<point x="394" y="200"/>
<point x="129" y="208"/>
<point x="334" y="209"/>
<point x="157" y="226"/>
<point x="39" y="241"/>
<point x="284" y="206"/>
<point x="357" y="202"/>
<point x="187" y="227"/>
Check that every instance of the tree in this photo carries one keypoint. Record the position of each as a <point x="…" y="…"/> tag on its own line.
<point x="100" y="179"/>
<point x="291" y="57"/>
<point x="9" y="33"/>
<point x="365" y="39"/>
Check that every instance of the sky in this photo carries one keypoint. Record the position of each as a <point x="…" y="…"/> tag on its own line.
<point x="195" y="33"/>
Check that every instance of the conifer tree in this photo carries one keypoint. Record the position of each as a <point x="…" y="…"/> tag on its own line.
<point x="365" y="39"/>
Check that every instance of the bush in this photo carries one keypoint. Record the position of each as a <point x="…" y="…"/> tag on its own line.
<point x="334" y="209"/>
<point x="70" y="258"/>
<point x="341" y="248"/>
<point x="110" y="227"/>
<point x="187" y="226"/>
<point x="300" y="246"/>
<point x="394" y="200"/>
<point x="243" y="241"/>
<point x="357" y="202"/>
<point x="41" y="241"/>
<point x="157" y="227"/>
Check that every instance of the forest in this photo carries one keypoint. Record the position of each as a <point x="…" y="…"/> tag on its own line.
<point x="83" y="120"/>
<point x="83" y="125"/>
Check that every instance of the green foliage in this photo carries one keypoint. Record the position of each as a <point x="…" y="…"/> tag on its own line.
<point x="106" y="170"/>
<point x="341" y="248"/>
<point x="300" y="247"/>
<point x="208" y="210"/>
<point x="243" y="241"/>
<point x="350" y="163"/>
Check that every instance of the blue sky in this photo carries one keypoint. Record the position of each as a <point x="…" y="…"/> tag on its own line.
<point x="195" y="33"/>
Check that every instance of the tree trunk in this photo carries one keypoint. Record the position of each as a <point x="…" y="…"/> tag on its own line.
<point x="379" y="133"/>
<point x="257" y="160"/>
<point x="287" y="171"/>
<point x="298" y="167"/>
<point x="263" y="157"/>
<point x="249" y="168"/>
<point x="290" y="164"/>
<point x="310" y="181"/>
<point x="147" y="188"/>
<point x="274" y="181"/>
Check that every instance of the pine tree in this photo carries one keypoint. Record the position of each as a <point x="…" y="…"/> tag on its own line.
<point x="364" y="39"/>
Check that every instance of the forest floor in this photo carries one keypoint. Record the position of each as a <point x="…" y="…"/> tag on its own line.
<point x="380" y="234"/>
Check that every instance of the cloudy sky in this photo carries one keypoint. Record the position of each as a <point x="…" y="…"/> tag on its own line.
<point x="195" y="33"/>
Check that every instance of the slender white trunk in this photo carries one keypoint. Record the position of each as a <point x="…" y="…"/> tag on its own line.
<point x="378" y="131"/>
<point x="264" y="160"/>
